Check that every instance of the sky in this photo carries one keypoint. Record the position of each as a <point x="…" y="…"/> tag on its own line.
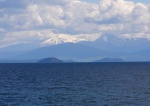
<point x="96" y="1"/>
<point x="27" y="21"/>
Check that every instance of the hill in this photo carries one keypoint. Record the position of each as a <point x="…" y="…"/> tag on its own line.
<point x="50" y="60"/>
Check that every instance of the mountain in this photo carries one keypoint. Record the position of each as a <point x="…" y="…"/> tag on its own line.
<point x="9" y="52"/>
<point x="78" y="48"/>
<point x="60" y="39"/>
<point x="63" y="38"/>
<point x="64" y="51"/>
<point x="50" y="60"/>
<point x="119" y="45"/>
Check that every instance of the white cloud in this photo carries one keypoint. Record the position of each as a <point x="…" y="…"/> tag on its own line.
<point x="26" y="21"/>
<point x="36" y="36"/>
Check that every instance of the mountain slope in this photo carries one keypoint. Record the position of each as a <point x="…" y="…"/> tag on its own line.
<point x="119" y="45"/>
<point x="106" y="46"/>
<point x="67" y="50"/>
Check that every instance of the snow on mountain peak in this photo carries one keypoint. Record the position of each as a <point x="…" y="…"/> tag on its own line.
<point x="56" y="39"/>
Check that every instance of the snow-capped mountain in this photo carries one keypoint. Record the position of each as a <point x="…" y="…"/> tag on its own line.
<point x="59" y="39"/>
<point x="117" y="44"/>
<point x="112" y="45"/>
<point x="63" y="38"/>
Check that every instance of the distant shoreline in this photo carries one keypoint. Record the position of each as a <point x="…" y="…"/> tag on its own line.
<point x="73" y="62"/>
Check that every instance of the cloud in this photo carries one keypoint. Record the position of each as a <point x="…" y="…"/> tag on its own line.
<point x="29" y="21"/>
<point x="37" y="36"/>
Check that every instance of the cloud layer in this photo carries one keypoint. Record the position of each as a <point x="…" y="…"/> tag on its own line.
<point x="24" y="21"/>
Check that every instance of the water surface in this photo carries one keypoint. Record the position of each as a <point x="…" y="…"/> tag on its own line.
<point x="76" y="84"/>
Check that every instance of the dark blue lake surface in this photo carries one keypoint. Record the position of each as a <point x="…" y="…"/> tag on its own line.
<point x="76" y="84"/>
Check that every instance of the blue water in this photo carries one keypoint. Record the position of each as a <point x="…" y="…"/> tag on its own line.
<point x="77" y="84"/>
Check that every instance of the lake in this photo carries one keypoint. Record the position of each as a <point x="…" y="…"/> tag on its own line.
<point x="75" y="84"/>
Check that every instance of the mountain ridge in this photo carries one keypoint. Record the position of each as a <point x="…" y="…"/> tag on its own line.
<point x="104" y="46"/>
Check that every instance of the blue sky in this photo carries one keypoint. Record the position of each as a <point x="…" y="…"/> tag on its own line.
<point x="144" y="1"/>
<point x="26" y="22"/>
